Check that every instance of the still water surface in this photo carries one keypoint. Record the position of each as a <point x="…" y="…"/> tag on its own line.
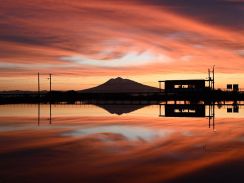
<point x="119" y="143"/>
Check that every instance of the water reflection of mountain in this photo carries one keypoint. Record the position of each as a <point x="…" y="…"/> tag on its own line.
<point x="120" y="109"/>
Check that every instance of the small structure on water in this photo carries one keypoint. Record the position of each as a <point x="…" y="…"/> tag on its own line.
<point x="192" y="85"/>
<point x="171" y="86"/>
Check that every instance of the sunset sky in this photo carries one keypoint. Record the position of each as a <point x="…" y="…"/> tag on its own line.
<point x="85" y="42"/>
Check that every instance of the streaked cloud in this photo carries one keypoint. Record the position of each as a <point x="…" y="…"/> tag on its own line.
<point x="129" y="60"/>
<point x="104" y="38"/>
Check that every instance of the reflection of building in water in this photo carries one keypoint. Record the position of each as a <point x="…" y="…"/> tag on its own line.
<point x="188" y="110"/>
<point x="184" y="110"/>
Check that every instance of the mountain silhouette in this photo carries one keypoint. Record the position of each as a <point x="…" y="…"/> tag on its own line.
<point x="120" y="85"/>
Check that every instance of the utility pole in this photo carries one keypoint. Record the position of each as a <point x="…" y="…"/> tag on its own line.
<point x="213" y="77"/>
<point x="209" y="79"/>
<point x="38" y="80"/>
<point x="50" y="103"/>
<point x="38" y="87"/>
<point x="50" y="80"/>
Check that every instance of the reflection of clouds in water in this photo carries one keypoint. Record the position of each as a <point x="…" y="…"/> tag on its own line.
<point x="130" y="132"/>
<point x="241" y="138"/>
<point x="16" y="128"/>
<point x="25" y="127"/>
<point x="187" y="133"/>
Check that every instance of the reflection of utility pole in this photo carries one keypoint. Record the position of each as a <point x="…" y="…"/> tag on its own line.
<point x="214" y="117"/>
<point x="209" y="116"/>
<point x="39" y="113"/>
<point x="50" y="113"/>
<point x="160" y="109"/>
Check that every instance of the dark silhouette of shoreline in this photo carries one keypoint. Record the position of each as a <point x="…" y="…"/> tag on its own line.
<point x="121" y="90"/>
<point x="152" y="97"/>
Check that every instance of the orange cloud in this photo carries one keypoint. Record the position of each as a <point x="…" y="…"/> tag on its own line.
<point x="101" y="38"/>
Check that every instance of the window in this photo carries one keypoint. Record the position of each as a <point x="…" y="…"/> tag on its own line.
<point x="181" y="86"/>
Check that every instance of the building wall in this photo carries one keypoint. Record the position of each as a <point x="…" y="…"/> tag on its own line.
<point x="184" y="85"/>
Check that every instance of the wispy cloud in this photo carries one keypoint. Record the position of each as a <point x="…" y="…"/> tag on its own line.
<point x="108" y="37"/>
<point x="129" y="60"/>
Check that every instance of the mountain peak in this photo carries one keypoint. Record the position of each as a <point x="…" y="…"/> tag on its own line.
<point x="121" y="85"/>
<point x="117" y="79"/>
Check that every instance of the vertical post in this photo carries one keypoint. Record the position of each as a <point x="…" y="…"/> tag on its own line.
<point x="214" y="117"/>
<point x="213" y="77"/>
<point x="50" y="78"/>
<point x="160" y="108"/>
<point x="209" y="79"/>
<point x="50" y="104"/>
<point x="209" y="115"/>
<point x="38" y="79"/>
<point x="50" y="113"/>
<point x="39" y="112"/>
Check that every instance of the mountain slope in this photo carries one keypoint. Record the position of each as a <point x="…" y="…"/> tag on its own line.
<point x="120" y="85"/>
